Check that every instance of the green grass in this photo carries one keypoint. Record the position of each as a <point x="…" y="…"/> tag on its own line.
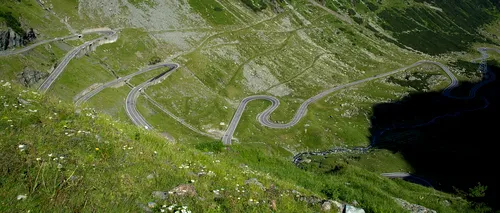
<point x="82" y="74"/>
<point x="213" y="12"/>
<point x="30" y="12"/>
<point x="205" y="91"/>
<point x="87" y="162"/>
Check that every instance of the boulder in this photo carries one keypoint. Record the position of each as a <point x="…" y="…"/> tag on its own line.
<point x="339" y="206"/>
<point x="184" y="190"/>
<point x="160" y="195"/>
<point x="29" y="77"/>
<point x="326" y="206"/>
<point x="352" y="209"/>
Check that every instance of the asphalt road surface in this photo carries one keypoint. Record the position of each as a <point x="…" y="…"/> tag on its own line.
<point x="131" y="102"/>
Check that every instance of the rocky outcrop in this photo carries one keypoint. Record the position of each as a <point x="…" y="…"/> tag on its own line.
<point x="10" y="39"/>
<point x="29" y="77"/>
<point x="304" y="156"/>
<point x="328" y="205"/>
<point x="413" y="208"/>
<point x="184" y="190"/>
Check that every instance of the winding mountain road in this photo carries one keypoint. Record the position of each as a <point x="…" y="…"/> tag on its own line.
<point x="68" y="57"/>
<point x="65" y="61"/>
<point x="131" y="102"/>
<point x="264" y="117"/>
<point x="74" y="36"/>
<point x="137" y="118"/>
<point x="85" y="97"/>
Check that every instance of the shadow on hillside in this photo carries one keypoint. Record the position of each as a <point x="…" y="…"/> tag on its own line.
<point x="456" y="151"/>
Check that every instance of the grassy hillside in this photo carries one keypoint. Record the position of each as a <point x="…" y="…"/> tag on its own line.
<point x="433" y="27"/>
<point x="53" y="159"/>
<point x="227" y="50"/>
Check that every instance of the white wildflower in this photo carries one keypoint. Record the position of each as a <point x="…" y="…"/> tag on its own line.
<point x="38" y="159"/>
<point x="22" y="197"/>
<point x="50" y="155"/>
<point x="22" y="147"/>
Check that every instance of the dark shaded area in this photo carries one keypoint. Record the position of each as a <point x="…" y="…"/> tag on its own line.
<point x="456" y="148"/>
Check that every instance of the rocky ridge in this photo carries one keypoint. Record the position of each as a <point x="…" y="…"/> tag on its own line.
<point x="10" y="39"/>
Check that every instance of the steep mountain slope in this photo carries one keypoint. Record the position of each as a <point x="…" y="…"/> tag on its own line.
<point x="227" y="50"/>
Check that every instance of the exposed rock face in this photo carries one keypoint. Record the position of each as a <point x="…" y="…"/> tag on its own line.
<point x="413" y="208"/>
<point x="30" y="77"/>
<point x="10" y="39"/>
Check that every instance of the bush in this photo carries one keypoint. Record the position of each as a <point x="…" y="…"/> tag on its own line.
<point x="212" y="146"/>
<point x="154" y="60"/>
<point x="255" y="5"/>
